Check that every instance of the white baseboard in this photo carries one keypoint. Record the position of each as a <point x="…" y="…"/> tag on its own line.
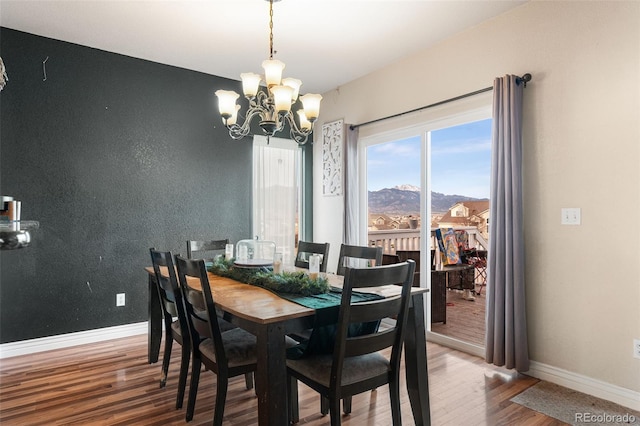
<point x="42" y="344"/>
<point x="456" y="344"/>
<point x="584" y="384"/>
<point x="568" y="379"/>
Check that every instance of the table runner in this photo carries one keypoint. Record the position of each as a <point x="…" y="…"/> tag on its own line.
<point x="327" y="305"/>
<point x="322" y="337"/>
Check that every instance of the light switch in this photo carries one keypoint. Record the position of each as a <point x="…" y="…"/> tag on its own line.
<point x="570" y="216"/>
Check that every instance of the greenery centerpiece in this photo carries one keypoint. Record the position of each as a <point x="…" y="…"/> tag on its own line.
<point x="296" y="282"/>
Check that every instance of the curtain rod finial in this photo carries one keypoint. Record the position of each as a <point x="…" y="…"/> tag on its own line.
<point x="524" y="79"/>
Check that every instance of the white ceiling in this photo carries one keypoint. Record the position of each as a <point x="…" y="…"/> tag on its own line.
<point x="325" y="43"/>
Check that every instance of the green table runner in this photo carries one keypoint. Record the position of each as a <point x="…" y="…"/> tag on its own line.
<point x="316" y="294"/>
<point x="323" y="335"/>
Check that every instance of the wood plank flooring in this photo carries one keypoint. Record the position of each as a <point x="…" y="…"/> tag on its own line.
<point x="111" y="383"/>
<point x="465" y="319"/>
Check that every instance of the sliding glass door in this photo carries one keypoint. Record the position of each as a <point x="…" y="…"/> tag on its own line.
<point x="423" y="175"/>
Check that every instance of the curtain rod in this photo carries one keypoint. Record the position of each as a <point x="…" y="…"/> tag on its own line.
<point x="524" y="80"/>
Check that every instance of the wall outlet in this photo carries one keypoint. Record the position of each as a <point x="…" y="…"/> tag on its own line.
<point x="636" y="348"/>
<point x="120" y="299"/>
<point x="570" y="216"/>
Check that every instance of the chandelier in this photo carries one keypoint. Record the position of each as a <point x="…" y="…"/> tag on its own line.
<point x="272" y="106"/>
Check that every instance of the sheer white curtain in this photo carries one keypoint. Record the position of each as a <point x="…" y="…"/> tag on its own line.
<point x="276" y="166"/>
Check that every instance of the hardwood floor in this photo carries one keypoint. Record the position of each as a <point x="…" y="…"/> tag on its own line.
<point x="111" y="383"/>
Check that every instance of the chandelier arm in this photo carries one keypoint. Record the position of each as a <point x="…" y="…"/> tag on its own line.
<point x="297" y="134"/>
<point x="238" y="131"/>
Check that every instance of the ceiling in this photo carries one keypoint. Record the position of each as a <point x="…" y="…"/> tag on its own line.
<point x="325" y="43"/>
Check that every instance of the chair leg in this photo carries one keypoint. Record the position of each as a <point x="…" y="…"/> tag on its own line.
<point x="346" y="404"/>
<point x="394" y="394"/>
<point x="292" y="392"/>
<point x="184" y="370"/>
<point x="324" y="405"/>
<point x="168" y="345"/>
<point x="334" y="412"/>
<point x="193" y="389"/>
<point x="248" y="380"/>
<point x="221" y="396"/>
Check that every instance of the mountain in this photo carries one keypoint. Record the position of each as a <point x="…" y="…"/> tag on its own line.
<point x="405" y="199"/>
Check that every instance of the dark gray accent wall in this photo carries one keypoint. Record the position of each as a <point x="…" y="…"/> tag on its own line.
<point x="112" y="155"/>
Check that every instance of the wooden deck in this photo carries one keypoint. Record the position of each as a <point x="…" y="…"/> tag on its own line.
<point x="465" y="319"/>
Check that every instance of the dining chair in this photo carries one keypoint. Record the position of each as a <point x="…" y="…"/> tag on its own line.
<point x="205" y="249"/>
<point x="178" y="330"/>
<point x="349" y="252"/>
<point x="305" y="249"/>
<point x="226" y="353"/>
<point x="349" y="255"/>
<point x="357" y="364"/>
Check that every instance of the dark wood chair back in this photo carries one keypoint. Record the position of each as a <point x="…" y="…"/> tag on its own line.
<point x="170" y="297"/>
<point x="377" y="310"/>
<point x="306" y="249"/>
<point x="169" y="290"/>
<point x="357" y="363"/>
<point x="205" y="249"/>
<point x="205" y="328"/>
<point x="202" y="318"/>
<point x="348" y="252"/>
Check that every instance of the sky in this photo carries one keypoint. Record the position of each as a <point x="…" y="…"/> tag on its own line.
<point x="460" y="161"/>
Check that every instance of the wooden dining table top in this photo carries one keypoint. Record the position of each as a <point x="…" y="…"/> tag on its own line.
<point x="263" y="306"/>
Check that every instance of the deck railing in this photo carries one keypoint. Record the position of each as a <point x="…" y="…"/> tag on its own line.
<point x="409" y="239"/>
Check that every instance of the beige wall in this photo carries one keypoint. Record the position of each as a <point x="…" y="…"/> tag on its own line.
<point x="581" y="149"/>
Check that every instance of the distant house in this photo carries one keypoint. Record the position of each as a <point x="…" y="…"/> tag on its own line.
<point x="382" y="221"/>
<point x="468" y="213"/>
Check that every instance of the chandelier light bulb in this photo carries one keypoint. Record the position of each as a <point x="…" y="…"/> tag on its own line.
<point x="295" y="84"/>
<point x="250" y="84"/>
<point x="272" y="71"/>
<point x="311" y="105"/>
<point x="282" y="98"/>
<point x="304" y="123"/>
<point x="227" y="102"/>
<point x="234" y="118"/>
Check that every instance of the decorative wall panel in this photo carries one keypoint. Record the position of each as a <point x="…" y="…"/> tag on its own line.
<point x="332" y="140"/>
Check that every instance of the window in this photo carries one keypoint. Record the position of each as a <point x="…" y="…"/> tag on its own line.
<point x="276" y="193"/>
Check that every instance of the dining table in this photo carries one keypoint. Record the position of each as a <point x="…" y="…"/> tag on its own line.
<point x="270" y="317"/>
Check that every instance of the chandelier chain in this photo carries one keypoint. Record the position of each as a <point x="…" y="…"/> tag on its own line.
<point x="270" y="29"/>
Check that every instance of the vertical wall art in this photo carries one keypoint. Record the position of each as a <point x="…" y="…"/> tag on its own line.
<point x="332" y="137"/>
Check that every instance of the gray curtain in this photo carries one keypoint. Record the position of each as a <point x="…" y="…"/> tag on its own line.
<point x="506" y="338"/>
<point x="351" y="206"/>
